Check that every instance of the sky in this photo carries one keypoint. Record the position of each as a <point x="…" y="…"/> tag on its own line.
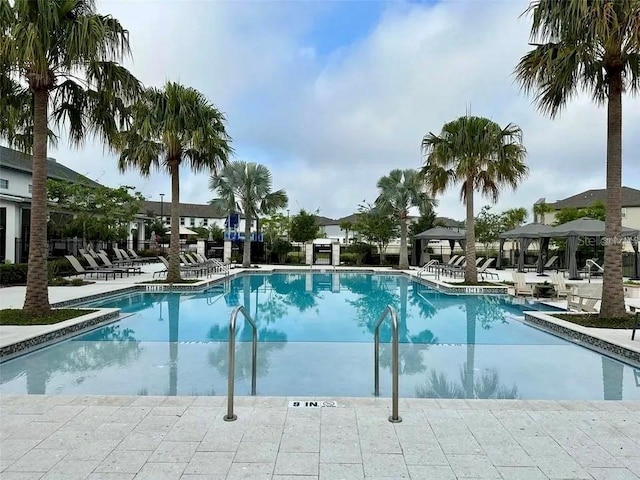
<point x="333" y="95"/>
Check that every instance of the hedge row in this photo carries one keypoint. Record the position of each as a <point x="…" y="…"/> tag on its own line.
<point x="16" y="274"/>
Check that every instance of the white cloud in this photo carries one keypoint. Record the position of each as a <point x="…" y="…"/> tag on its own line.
<point x="330" y="126"/>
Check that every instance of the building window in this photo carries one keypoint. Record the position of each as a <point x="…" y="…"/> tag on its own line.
<point x="205" y="222"/>
<point x="4" y="183"/>
<point x="624" y="213"/>
<point x="192" y="222"/>
<point x="181" y="220"/>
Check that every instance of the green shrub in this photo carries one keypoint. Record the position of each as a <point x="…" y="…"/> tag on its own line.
<point x="13" y="274"/>
<point x="349" y="258"/>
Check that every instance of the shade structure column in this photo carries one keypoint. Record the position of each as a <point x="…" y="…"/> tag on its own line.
<point x="463" y="245"/>
<point x="636" y="259"/>
<point x="572" y="247"/>
<point x="544" y="253"/>
<point x="524" y="245"/>
<point x="452" y="245"/>
<point x="500" y="251"/>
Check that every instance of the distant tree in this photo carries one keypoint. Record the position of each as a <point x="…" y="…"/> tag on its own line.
<point x="304" y="227"/>
<point x="426" y="221"/>
<point x="274" y="229"/>
<point x="489" y="226"/>
<point x="347" y="226"/>
<point x="514" y="217"/>
<point x="99" y="212"/>
<point x="376" y="227"/>
<point x="398" y="192"/>
<point x="597" y="211"/>
<point x="540" y="210"/>
<point x="246" y="187"/>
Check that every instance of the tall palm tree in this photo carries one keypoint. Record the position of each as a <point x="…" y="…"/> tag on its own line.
<point x="246" y="187"/>
<point x="399" y="191"/>
<point x="170" y="126"/>
<point x="479" y="154"/>
<point x="594" y="46"/>
<point x="66" y="55"/>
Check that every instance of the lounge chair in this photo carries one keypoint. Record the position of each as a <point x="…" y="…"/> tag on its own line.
<point x="550" y="263"/>
<point x="125" y="256"/>
<point x="187" y="270"/>
<point x="138" y="258"/>
<point x="125" y="268"/>
<point x="560" y="286"/>
<point x="520" y="284"/>
<point x="82" y="271"/>
<point x="585" y="298"/>
<point x="482" y="270"/>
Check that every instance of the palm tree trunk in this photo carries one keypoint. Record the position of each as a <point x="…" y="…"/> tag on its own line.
<point x="37" y="297"/>
<point x="174" y="335"/>
<point x="173" y="274"/>
<point x="403" y="262"/>
<point x="246" y="254"/>
<point x="612" y="290"/>
<point x="470" y="271"/>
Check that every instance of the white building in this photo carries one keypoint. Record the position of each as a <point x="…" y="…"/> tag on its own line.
<point x="15" y="199"/>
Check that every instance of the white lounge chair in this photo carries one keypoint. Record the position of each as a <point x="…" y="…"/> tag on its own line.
<point x="560" y="285"/>
<point x="482" y="270"/>
<point x="520" y="284"/>
<point x="585" y="298"/>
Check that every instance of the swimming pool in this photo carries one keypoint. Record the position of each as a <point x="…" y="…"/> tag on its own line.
<point x="316" y="339"/>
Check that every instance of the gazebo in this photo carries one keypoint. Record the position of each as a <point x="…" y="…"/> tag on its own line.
<point x="441" y="233"/>
<point x="525" y="234"/>
<point x="588" y="227"/>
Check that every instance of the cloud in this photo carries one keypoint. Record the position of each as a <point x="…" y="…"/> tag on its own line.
<point x="329" y="125"/>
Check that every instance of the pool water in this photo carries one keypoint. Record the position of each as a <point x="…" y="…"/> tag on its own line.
<point x="316" y="338"/>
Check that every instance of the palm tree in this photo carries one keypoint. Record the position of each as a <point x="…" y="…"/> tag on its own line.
<point x="482" y="156"/>
<point x="540" y="210"/>
<point x="168" y="127"/>
<point x="246" y="187"/>
<point x="66" y="54"/>
<point x="399" y="191"/>
<point x="593" y="46"/>
<point x="514" y="217"/>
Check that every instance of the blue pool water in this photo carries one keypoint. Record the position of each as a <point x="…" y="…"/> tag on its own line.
<point x="316" y="338"/>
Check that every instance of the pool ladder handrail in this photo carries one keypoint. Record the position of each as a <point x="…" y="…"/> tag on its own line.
<point x="230" y="416"/>
<point x="391" y="312"/>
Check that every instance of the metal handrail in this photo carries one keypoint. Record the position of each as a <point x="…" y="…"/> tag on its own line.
<point x="427" y="266"/>
<point x="230" y="417"/>
<point x="389" y="310"/>
<point x="592" y="263"/>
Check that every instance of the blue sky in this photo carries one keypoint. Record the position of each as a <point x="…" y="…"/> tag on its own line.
<point x="333" y="95"/>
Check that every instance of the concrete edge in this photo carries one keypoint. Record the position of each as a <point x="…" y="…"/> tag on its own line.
<point x="582" y="336"/>
<point x="59" y="331"/>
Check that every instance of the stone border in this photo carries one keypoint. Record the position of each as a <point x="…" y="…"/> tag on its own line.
<point x="69" y="328"/>
<point x="566" y="330"/>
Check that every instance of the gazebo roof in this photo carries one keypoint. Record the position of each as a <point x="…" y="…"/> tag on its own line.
<point x="441" y="233"/>
<point x="530" y="230"/>
<point x="585" y="227"/>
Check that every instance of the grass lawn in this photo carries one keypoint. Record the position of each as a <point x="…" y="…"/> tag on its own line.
<point x="16" y="316"/>
<point x="593" y="320"/>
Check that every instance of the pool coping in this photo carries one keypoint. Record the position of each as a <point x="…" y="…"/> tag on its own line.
<point x="584" y="336"/>
<point x="53" y="333"/>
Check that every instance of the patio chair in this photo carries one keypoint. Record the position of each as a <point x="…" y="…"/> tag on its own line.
<point x="183" y="268"/>
<point x="585" y="298"/>
<point x="125" y="256"/>
<point x="520" y="284"/>
<point x="559" y="285"/>
<point x="478" y="260"/>
<point x="482" y="270"/>
<point x="125" y="268"/>
<point x="550" y="263"/>
<point x="77" y="266"/>
<point x="138" y="258"/>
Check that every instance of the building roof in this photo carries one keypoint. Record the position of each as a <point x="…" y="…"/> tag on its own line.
<point x="15" y="160"/>
<point x="630" y="198"/>
<point x="189" y="210"/>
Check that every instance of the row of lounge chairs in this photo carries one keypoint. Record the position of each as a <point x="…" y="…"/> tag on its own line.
<point x="106" y="270"/>
<point x="196" y="265"/>
<point x="456" y="266"/>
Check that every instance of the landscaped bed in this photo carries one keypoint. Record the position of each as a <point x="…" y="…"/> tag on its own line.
<point x="594" y="321"/>
<point x="16" y="316"/>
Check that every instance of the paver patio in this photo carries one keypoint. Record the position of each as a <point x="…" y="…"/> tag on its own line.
<point x="163" y="438"/>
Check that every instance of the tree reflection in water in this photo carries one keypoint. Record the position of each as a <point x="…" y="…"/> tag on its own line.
<point x="374" y="294"/>
<point x="486" y="387"/>
<point x="109" y="346"/>
<point x="270" y="340"/>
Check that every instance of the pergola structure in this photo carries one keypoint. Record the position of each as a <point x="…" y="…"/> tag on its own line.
<point x="441" y="233"/>
<point x="525" y="234"/>
<point x="589" y="228"/>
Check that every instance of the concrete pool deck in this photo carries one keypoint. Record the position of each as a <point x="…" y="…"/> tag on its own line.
<point x="185" y="438"/>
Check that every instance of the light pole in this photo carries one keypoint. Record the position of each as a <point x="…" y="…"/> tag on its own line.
<point x="162" y="208"/>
